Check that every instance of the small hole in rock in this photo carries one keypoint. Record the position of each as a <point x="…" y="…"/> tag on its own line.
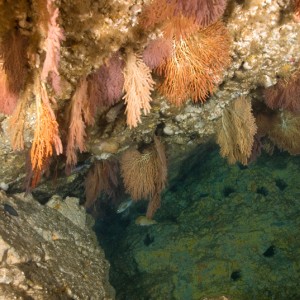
<point x="236" y="275"/>
<point x="159" y="130"/>
<point x="228" y="190"/>
<point x="281" y="184"/>
<point x="194" y="136"/>
<point x="203" y="195"/>
<point x="262" y="191"/>
<point x="10" y="210"/>
<point x="148" y="240"/>
<point x="269" y="252"/>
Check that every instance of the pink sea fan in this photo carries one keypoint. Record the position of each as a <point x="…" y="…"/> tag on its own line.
<point x="8" y="100"/>
<point x="115" y="79"/>
<point x="205" y="12"/>
<point x="106" y="84"/>
<point x="55" y="82"/>
<point x="52" y="45"/>
<point x="157" y="51"/>
<point x="77" y="133"/>
<point x="138" y="86"/>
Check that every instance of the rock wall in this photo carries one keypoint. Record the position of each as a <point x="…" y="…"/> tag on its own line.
<point x="49" y="252"/>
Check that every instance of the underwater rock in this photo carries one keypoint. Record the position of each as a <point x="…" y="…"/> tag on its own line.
<point x="46" y="256"/>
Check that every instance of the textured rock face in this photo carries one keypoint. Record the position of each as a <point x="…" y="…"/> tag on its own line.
<point x="46" y="255"/>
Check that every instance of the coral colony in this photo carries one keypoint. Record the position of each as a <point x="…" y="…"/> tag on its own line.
<point x="183" y="52"/>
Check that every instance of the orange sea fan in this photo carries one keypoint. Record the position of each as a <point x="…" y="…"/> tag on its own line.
<point x="179" y="27"/>
<point x="196" y="65"/>
<point x="168" y="18"/>
<point x="46" y="138"/>
<point x="46" y="135"/>
<point x="201" y="12"/>
<point x="156" y="12"/>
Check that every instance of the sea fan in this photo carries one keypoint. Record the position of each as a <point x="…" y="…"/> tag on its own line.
<point x="156" y="12"/>
<point x="285" y="132"/>
<point x="13" y="52"/>
<point x="105" y="86"/>
<point x="145" y="174"/>
<point x="236" y="131"/>
<point x="196" y="65"/>
<point x="8" y="100"/>
<point x="157" y="51"/>
<point x="46" y="132"/>
<point x="166" y="15"/>
<point x="52" y="47"/>
<point x="285" y="94"/>
<point x="138" y="86"/>
<point x="204" y="12"/>
<point x="77" y="134"/>
<point x="46" y="139"/>
<point x="139" y="173"/>
<point x="179" y="27"/>
<point x="101" y="177"/>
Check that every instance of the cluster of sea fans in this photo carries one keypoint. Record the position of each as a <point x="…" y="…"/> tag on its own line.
<point x="193" y="50"/>
<point x="279" y="122"/>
